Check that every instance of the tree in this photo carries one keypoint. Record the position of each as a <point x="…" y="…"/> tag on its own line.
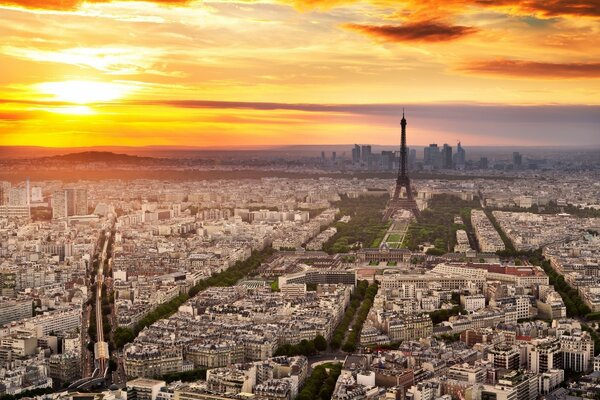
<point x="320" y="343"/>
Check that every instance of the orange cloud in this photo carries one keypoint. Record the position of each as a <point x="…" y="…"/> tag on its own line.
<point x="547" y="8"/>
<point x="534" y="69"/>
<point x="69" y="5"/>
<point x="427" y="31"/>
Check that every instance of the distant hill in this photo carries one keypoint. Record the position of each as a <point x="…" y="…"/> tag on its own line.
<point x="99" y="156"/>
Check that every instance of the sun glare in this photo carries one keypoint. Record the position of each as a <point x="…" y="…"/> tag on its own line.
<point x="84" y="92"/>
<point x="73" y="110"/>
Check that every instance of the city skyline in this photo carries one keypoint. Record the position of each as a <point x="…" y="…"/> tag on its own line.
<point x="233" y="73"/>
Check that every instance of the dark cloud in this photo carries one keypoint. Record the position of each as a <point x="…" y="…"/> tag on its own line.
<point x="424" y="31"/>
<point x="493" y="112"/>
<point x="550" y="8"/>
<point x="481" y="123"/>
<point x="534" y="69"/>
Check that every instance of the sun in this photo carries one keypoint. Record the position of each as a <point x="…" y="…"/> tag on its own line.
<point x="84" y="92"/>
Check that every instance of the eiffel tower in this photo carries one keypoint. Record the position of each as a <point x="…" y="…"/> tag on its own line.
<point x="397" y="202"/>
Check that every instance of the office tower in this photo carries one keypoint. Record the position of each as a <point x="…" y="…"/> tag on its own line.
<point x="517" y="160"/>
<point x="447" y="156"/>
<point x="483" y="163"/>
<point x="366" y="153"/>
<point x="17" y="196"/>
<point x="36" y="194"/>
<point x="59" y="204"/>
<point x="460" y="157"/>
<point x="431" y="155"/>
<point x="356" y="154"/>
<point x="69" y="202"/>
<point x="333" y="156"/>
<point x="4" y="190"/>
<point x="323" y="157"/>
<point x="412" y="157"/>
<point x="80" y="202"/>
<point x="387" y="160"/>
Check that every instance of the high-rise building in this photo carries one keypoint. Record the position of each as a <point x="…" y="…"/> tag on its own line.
<point x="366" y="154"/>
<point x="333" y="156"/>
<point x="517" y="160"/>
<point x="460" y="158"/>
<point x="323" y="157"/>
<point x="69" y="202"/>
<point x="387" y="160"/>
<point x="356" y="154"/>
<point x="36" y="194"/>
<point x="447" y="156"/>
<point x="59" y="204"/>
<point x="412" y="157"/>
<point x="431" y="154"/>
<point x="17" y="196"/>
<point x="4" y="191"/>
<point x="483" y="163"/>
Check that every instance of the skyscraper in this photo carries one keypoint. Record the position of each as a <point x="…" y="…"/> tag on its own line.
<point x="59" y="204"/>
<point x="69" y="202"/>
<point x="447" y="156"/>
<point x="460" y="157"/>
<point x="431" y="155"/>
<point x="4" y="190"/>
<point x="483" y="163"/>
<point x="356" y="154"/>
<point x="366" y="154"/>
<point x="387" y="160"/>
<point x="517" y="160"/>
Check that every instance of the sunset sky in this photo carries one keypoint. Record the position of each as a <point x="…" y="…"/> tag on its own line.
<point x="269" y="72"/>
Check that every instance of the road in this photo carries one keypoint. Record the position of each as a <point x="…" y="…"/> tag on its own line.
<point x="101" y="346"/>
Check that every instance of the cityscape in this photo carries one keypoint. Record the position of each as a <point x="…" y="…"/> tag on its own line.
<point x="479" y="281"/>
<point x="300" y="200"/>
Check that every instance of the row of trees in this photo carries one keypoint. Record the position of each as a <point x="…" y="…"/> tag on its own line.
<point x="510" y="249"/>
<point x="187" y="376"/>
<point x="304" y="348"/>
<point x="365" y="227"/>
<point x="575" y="306"/>
<point x="436" y="225"/>
<point x="442" y="315"/>
<point x="355" y="300"/>
<point x="353" y="337"/>
<point x="321" y="383"/>
<point x="229" y="277"/>
<point x="27" y="393"/>
<point x="553" y="208"/>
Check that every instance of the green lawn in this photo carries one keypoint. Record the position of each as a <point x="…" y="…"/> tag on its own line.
<point x="394" y="237"/>
<point x="366" y="226"/>
<point x="436" y="225"/>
